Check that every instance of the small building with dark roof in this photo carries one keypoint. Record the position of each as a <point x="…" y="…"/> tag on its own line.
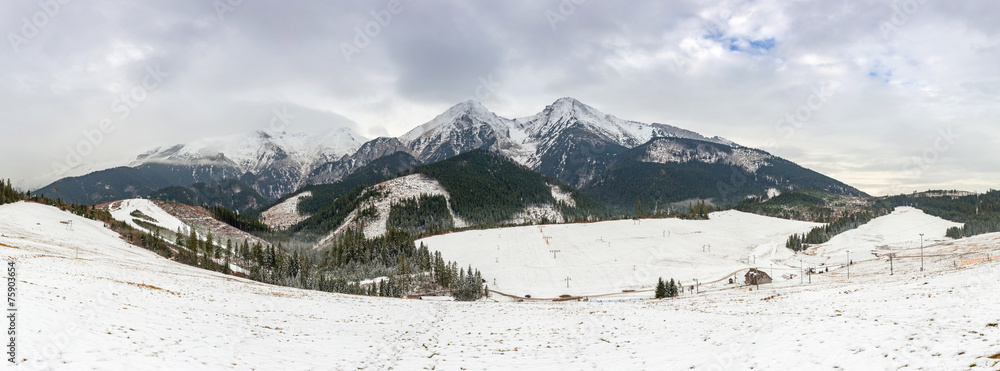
<point x="756" y="277"/>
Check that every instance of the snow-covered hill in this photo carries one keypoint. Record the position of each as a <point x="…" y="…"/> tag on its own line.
<point x="118" y="307"/>
<point x="897" y="232"/>
<point x="392" y="191"/>
<point x="171" y="217"/>
<point x="415" y="185"/>
<point x="286" y="213"/>
<point x="608" y="257"/>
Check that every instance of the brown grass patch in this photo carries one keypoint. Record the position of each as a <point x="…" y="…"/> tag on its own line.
<point x="145" y="286"/>
<point x="995" y="356"/>
<point x="13" y="247"/>
<point x="151" y="287"/>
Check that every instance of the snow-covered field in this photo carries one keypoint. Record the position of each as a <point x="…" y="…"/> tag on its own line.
<point x="119" y="307"/>
<point x="604" y="258"/>
<point x="608" y="257"/>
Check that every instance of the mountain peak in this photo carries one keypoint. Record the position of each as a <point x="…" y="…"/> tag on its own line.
<point x="470" y="105"/>
<point x="567" y="100"/>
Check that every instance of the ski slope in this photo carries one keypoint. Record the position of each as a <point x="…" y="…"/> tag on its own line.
<point x="612" y="256"/>
<point x="118" y="307"/>
<point x="122" y="210"/>
<point x="898" y="231"/>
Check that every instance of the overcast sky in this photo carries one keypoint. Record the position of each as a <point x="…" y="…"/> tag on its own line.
<point x="886" y="96"/>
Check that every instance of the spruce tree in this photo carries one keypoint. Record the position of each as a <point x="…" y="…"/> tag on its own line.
<point x="210" y="246"/>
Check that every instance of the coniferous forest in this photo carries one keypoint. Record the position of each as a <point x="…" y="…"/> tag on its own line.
<point x="420" y="215"/>
<point x="8" y="194"/>
<point x="818" y="235"/>
<point x="486" y="188"/>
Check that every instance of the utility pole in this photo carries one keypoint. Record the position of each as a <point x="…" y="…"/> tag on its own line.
<point x="567" y="281"/>
<point x="554" y="253"/>
<point x="848" y="265"/>
<point x="697" y="286"/>
<point x="921" y="252"/>
<point x="801" y="279"/>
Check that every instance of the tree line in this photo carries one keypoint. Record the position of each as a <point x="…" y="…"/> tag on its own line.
<point x="241" y="222"/>
<point x="8" y="194"/>
<point x="822" y="234"/>
<point x="980" y="213"/>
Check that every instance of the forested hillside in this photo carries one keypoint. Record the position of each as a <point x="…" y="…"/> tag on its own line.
<point x="324" y="195"/>
<point x="486" y="188"/>
<point x="231" y="194"/>
<point x="665" y="171"/>
<point x="806" y="204"/>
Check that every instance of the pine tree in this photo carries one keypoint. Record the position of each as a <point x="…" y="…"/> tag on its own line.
<point x="210" y="246"/>
<point x="661" y="289"/>
<point x="193" y="245"/>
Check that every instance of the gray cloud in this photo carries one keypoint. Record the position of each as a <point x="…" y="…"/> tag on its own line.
<point x="731" y="68"/>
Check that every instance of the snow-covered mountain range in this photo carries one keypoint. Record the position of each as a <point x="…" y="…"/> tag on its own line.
<point x="564" y="131"/>
<point x="567" y="140"/>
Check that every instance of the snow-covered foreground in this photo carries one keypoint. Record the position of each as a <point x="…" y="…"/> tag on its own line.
<point x="609" y="257"/>
<point x="120" y="307"/>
